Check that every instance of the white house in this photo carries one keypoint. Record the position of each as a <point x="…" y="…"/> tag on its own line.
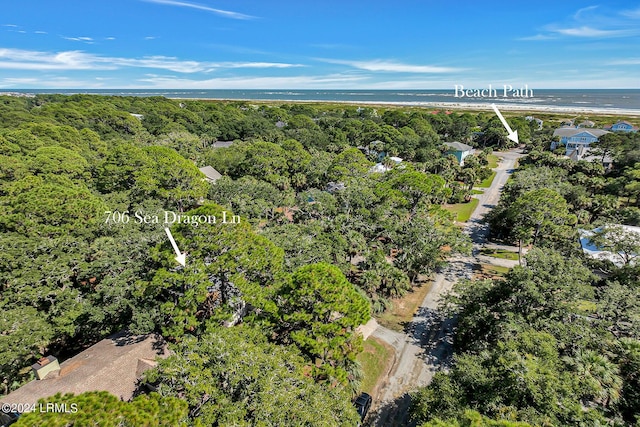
<point x="617" y="234"/>
<point x="379" y="168"/>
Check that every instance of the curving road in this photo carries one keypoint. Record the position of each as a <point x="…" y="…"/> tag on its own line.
<point x="426" y="348"/>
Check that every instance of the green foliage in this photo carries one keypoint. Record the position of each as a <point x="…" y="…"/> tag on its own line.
<point x="227" y="266"/>
<point x="169" y="177"/>
<point x="233" y="376"/>
<point x="249" y="197"/>
<point x="537" y="213"/>
<point x="351" y="163"/>
<point x="421" y="241"/>
<point x="104" y="409"/>
<point x="303" y="262"/>
<point x="416" y="188"/>
<point x="528" y="351"/>
<point x="320" y="310"/>
<point x="474" y="419"/>
<point x="622" y="243"/>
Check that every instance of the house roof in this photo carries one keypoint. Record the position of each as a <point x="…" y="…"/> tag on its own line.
<point x="588" y="154"/>
<point x="622" y="122"/>
<point x="379" y="168"/>
<point x="571" y="131"/>
<point x="222" y="144"/>
<point x="210" y="173"/>
<point x="114" y="365"/>
<point x="458" y="146"/>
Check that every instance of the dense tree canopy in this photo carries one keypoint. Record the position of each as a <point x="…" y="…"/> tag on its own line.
<point x="322" y="242"/>
<point x="233" y="376"/>
<point x="104" y="409"/>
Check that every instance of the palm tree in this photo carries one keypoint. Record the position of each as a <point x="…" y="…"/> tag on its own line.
<point x="598" y="375"/>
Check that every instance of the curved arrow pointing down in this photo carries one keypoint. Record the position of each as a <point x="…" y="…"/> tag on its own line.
<point x="181" y="257"/>
<point x="513" y="134"/>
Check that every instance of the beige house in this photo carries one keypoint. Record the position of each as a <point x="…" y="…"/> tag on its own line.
<point x="114" y="364"/>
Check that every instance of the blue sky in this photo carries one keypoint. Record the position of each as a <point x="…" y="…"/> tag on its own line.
<point x="328" y="44"/>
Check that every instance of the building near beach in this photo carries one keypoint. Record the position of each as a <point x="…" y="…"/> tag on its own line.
<point x="622" y="126"/>
<point x="459" y="150"/>
<point x="573" y="138"/>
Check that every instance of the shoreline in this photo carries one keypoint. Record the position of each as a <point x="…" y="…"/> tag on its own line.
<point x="462" y="106"/>
<point x="483" y="106"/>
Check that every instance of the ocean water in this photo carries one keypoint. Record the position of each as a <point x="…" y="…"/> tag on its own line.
<point x="553" y="99"/>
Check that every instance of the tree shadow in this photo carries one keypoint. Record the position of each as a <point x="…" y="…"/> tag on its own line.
<point x="433" y="332"/>
<point x="478" y="230"/>
<point x="123" y="338"/>
<point x="392" y="414"/>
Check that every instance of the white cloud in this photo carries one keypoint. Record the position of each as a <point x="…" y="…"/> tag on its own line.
<point x="629" y="61"/>
<point x="87" y="40"/>
<point x="633" y="14"/>
<point x="180" y="66"/>
<point x="17" y="59"/>
<point x="225" y="13"/>
<point x="258" y="65"/>
<point x="587" y="23"/>
<point x="49" y="83"/>
<point x="581" y="12"/>
<point x="332" y="46"/>
<point x="538" y="37"/>
<point x="585" y="31"/>
<point x="391" y="66"/>
<point x="337" y="81"/>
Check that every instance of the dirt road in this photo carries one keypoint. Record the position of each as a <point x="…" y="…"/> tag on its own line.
<point x="426" y="347"/>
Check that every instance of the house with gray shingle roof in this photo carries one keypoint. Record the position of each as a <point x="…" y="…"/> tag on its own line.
<point x="622" y="126"/>
<point x="572" y="138"/>
<point x="459" y="150"/>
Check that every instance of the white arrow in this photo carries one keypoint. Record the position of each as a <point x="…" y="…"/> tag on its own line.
<point x="513" y="134"/>
<point x="182" y="257"/>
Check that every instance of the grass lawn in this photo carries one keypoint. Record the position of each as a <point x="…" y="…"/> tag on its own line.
<point x="403" y="308"/>
<point x="477" y="192"/>
<point x="487" y="182"/>
<point x="375" y="359"/>
<point x="487" y="271"/>
<point x="463" y="210"/>
<point x="493" y="161"/>
<point x="500" y="253"/>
